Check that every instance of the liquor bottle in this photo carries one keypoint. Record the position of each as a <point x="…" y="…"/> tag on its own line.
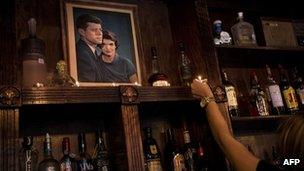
<point x="274" y="94"/>
<point x="288" y="92"/>
<point x="299" y="86"/>
<point x="185" y="66"/>
<point x="28" y="156"/>
<point x="231" y="96"/>
<point x="157" y="78"/>
<point x="100" y="156"/>
<point x="243" y="32"/>
<point x="258" y="96"/>
<point x="151" y="152"/>
<point x="190" y="152"/>
<point x="67" y="162"/>
<point x="202" y="164"/>
<point x="174" y="159"/>
<point x="84" y="162"/>
<point x="48" y="163"/>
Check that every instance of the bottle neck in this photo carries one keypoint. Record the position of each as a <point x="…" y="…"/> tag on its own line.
<point x="155" y="65"/>
<point x="47" y="150"/>
<point x="187" y="139"/>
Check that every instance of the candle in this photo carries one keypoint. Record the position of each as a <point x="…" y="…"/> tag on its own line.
<point x="77" y="83"/>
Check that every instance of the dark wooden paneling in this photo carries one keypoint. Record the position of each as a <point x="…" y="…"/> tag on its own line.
<point x="9" y="144"/>
<point x="133" y="137"/>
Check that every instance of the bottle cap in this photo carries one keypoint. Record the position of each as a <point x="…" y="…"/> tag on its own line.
<point x="217" y="22"/>
<point x="240" y="15"/>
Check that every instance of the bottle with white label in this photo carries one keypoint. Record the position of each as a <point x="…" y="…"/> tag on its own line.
<point x="274" y="94"/>
<point x="231" y="96"/>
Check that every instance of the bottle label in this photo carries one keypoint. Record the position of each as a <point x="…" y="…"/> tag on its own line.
<point x="154" y="165"/>
<point x="290" y="98"/>
<point x="50" y="168"/>
<point x="84" y="165"/>
<point x="301" y="95"/>
<point x="262" y="105"/>
<point x="231" y="96"/>
<point x="153" y="149"/>
<point x="66" y="166"/>
<point x="275" y="95"/>
<point x="179" y="163"/>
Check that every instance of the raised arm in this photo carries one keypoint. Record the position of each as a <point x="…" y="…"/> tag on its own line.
<point x="237" y="153"/>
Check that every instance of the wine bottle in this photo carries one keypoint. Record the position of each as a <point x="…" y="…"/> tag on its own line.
<point x="258" y="96"/>
<point x="48" y="163"/>
<point x="67" y="162"/>
<point x="151" y="152"/>
<point x="84" y="163"/>
<point x="289" y="94"/>
<point x="274" y="94"/>
<point x="231" y="96"/>
<point x="202" y="164"/>
<point x="157" y="78"/>
<point x="190" y="152"/>
<point x="185" y="66"/>
<point x="28" y="156"/>
<point x="174" y="159"/>
<point x="299" y="87"/>
<point x="100" y="155"/>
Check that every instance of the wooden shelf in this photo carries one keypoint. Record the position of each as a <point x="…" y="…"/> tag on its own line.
<point x="257" y="124"/>
<point x="64" y="95"/>
<point x="266" y="48"/>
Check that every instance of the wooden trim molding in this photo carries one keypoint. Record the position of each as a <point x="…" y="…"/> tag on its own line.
<point x="10" y="96"/>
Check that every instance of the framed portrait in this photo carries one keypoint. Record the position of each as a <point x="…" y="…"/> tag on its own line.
<point x="90" y="62"/>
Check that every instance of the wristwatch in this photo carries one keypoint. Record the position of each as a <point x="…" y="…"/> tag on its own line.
<point x="206" y="100"/>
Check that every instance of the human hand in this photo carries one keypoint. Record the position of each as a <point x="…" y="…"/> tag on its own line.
<point x="200" y="88"/>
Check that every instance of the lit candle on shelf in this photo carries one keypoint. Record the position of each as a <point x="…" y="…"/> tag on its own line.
<point x="113" y="84"/>
<point x="199" y="78"/>
<point x="77" y="84"/>
<point x="136" y="83"/>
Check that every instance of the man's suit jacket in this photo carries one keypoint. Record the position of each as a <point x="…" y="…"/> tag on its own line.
<point x="88" y="66"/>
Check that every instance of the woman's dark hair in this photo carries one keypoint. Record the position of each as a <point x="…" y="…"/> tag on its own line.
<point x="111" y="36"/>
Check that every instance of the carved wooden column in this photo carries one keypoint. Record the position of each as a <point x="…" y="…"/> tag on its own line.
<point x="130" y="117"/>
<point x="9" y="127"/>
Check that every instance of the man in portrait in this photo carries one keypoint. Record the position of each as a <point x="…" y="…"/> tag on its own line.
<point x="89" y="28"/>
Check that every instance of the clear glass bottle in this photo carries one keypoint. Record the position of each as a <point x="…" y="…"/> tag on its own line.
<point x="288" y="92"/>
<point x="174" y="159"/>
<point x="258" y="96"/>
<point x="185" y="66"/>
<point x="243" y="32"/>
<point x="84" y="162"/>
<point x="28" y="156"/>
<point x="230" y="91"/>
<point x="68" y="161"/>
<point x="151" y="152"/>
<point x="274" y="94"/>
<point x="48" y="163"/>
<point x="190" y="152"/>
<point x="100" y="156"/>
<point x="157" y="78"/>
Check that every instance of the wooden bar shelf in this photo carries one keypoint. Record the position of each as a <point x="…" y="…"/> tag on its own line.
<point x="265" y="48"/>
<point x="52" y="95"/>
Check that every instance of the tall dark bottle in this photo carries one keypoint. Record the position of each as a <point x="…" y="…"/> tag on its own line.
<point x="274" y="95"/>
<point x="174" y="159"/>
<point x="185" y="66"/>
<point x="288" y="92"/>
<point x="28" y="156"/>
<point x="151" y="152"/>
<point x="100" y="155"/>
<point x="299" y="87"/>
<point x="68" y="161"/>
<point x="190" y="152"/>
<point x="84" y="163"/>
<point x="202" y="164"/>
<point x="48" y="163"/>
<point x="231" y="96"/>
<point x="157" y="78"/>
<point x="258" y="96"/>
